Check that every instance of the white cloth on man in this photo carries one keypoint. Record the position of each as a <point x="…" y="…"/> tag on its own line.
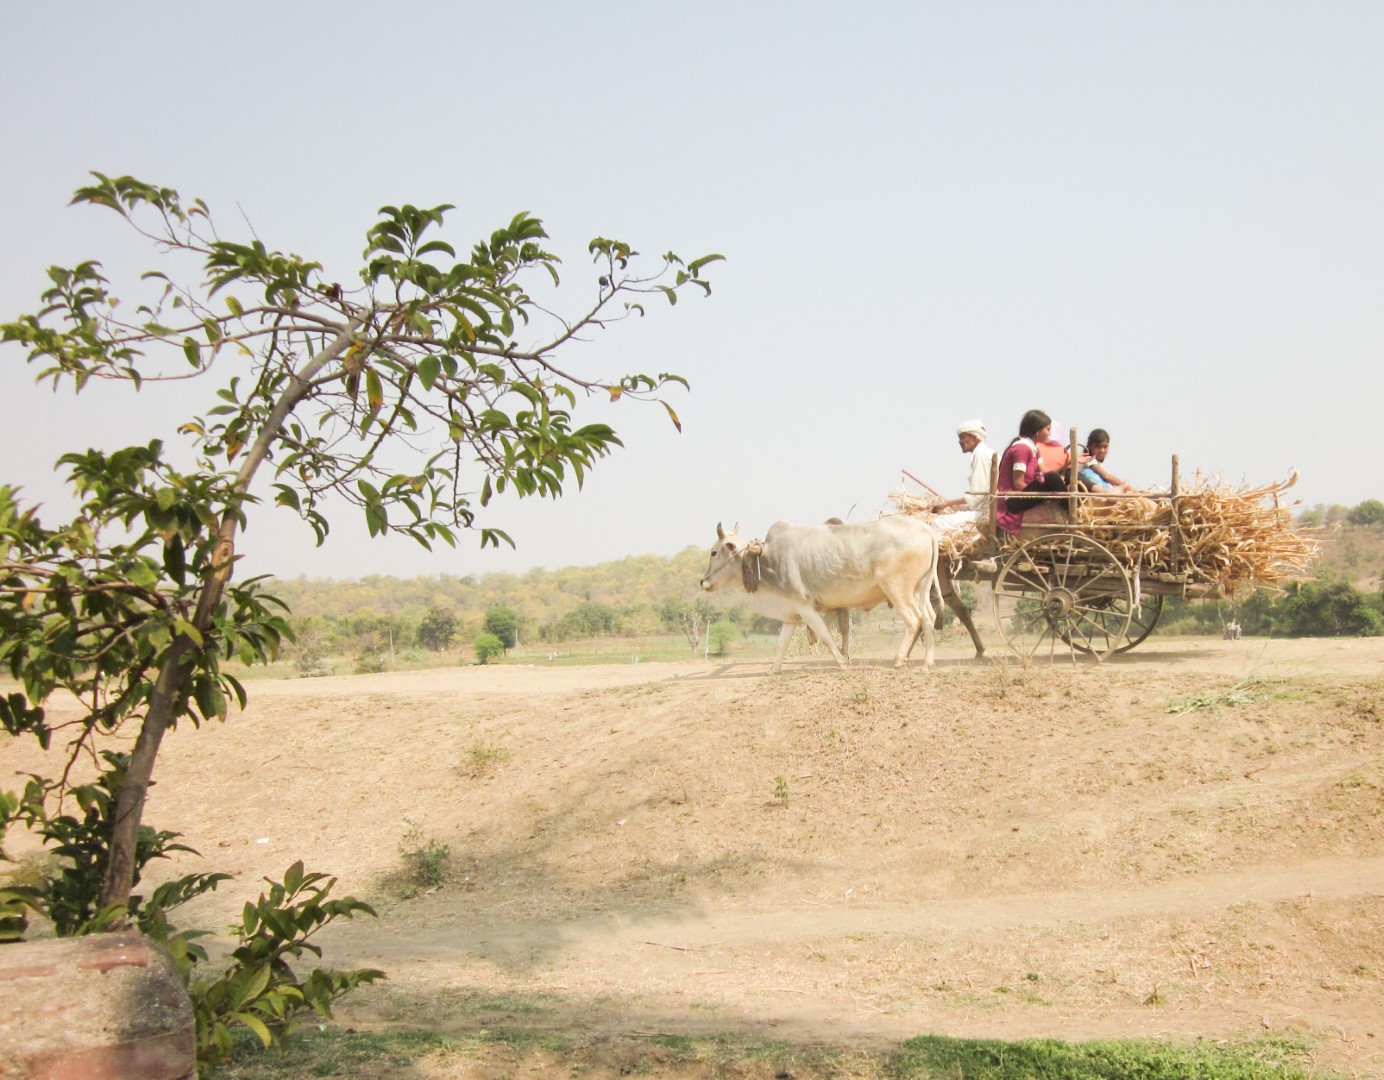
<point x="982" y="458"/>
<point x="977" y="505"/>
<point x="945" y="523"/>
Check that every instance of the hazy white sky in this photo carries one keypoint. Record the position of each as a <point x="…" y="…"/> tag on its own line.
<point x="1160" y="218"/>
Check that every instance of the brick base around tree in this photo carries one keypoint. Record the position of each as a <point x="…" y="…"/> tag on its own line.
<point x="106" y="1007"/>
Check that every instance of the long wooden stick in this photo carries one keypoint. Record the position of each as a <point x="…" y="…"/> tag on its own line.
<point x="922" y="483"/>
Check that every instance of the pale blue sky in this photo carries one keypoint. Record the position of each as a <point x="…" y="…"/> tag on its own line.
<point x="1160" y="218"/>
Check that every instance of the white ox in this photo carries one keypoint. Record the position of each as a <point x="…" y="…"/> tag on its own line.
<point x="798" y="571"/>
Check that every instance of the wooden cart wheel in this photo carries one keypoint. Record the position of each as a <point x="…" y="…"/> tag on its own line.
<point x="1142" y="619"/>
<point x="1062" y="595"/>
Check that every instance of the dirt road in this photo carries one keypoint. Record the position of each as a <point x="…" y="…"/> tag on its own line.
<point x="1185" y="841"/>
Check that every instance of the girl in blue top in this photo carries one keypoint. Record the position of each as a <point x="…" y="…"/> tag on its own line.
<point x="1095" y="475"/>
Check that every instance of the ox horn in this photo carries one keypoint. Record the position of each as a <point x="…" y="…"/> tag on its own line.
<point x="720" y="532"/>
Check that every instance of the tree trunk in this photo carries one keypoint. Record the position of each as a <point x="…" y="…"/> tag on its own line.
<point x="161" y="715"/>
<point x="169" y="687"/>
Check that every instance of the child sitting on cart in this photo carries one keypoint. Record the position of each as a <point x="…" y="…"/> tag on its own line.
<point x="1095" y="476"/>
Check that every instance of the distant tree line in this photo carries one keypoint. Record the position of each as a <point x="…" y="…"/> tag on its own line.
<point x="372" y="637"/>
<point x="1369" y="512"/>
<point x="1322" y="608"/>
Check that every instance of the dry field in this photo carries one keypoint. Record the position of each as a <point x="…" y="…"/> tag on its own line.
<point x="1185" y="841"/>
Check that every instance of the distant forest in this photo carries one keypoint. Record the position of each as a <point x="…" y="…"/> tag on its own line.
<point x="646" y="595"/>
<point x="638" y="596"/>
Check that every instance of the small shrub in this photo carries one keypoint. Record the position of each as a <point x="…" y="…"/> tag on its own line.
<point x="780" y="791"/>
<point x="312" y="639"/>
<point x="426" y="861"/>
<point x="370" y="664"/>
<point x="487" y="647"/>
<point x="722" y="634"/>
<point x="258" y="990"/>
<point x="484" y="757"/>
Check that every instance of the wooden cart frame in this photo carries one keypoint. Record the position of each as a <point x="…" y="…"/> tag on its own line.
<point x="1060" y="592"/>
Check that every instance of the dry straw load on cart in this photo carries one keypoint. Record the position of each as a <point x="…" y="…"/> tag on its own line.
<point x="1224" y="539"/>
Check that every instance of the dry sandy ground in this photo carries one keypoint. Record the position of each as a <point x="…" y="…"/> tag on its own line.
<point x="1185" y="841"/>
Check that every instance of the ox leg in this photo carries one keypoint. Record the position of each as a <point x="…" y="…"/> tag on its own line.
<point x="910" y="608"/>
<point x="919" y="616"/>
<point x="818" y="626"/>
<point x="785" y="636"/>
<point x="843" y="625"/>
<point x="929" y="619"/>
<point x="948" y="591"/>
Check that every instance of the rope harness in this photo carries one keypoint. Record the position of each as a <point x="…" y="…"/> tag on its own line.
<point x="749" y="565"/>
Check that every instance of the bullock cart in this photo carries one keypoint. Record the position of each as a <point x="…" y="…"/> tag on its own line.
<point x="1088" y="574"/>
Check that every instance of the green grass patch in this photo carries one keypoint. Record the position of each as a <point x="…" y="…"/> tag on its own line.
<point x="1126" y="1059"/>
<point x="330" y="1052"/>
<point x="333" y="1053"/>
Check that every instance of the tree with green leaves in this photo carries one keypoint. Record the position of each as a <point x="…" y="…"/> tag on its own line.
<point x="503" y="623"/>
<point x="1369" y="512"/>
<point x="416" y="393"/>
<point x="437" y="629"/>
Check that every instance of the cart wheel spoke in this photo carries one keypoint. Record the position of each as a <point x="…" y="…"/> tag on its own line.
<point x="1105" y="575"/>
<point x="1093" y="626"/>
<point x="1029" y="582"/>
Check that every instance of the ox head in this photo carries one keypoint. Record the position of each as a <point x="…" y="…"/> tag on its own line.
<point x="726" y="554"/>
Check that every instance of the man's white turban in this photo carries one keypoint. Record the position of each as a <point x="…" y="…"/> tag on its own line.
<point x="972" y="427"/>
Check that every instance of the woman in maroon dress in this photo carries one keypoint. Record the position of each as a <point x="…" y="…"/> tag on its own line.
<point x="1021" y="477"/>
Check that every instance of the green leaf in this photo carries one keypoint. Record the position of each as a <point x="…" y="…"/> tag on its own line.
<point x="436" y="245"/>
<point x="233" y="306"/>
<point x="210" y="700"/>
<point x="255" y="1024"/>
<point x="697" y="264"/>
<point x="672" y="415"/>
<point x="428" y="370"/>
<point x="175" y="560"/>
<point x="237" y="689"/>
<point x="193" y="352"/>
<point x="249" y="984"/>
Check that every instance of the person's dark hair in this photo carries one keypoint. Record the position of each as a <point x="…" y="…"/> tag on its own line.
<point x="1034" y="421"/>
<point x="1098" y="437"/>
